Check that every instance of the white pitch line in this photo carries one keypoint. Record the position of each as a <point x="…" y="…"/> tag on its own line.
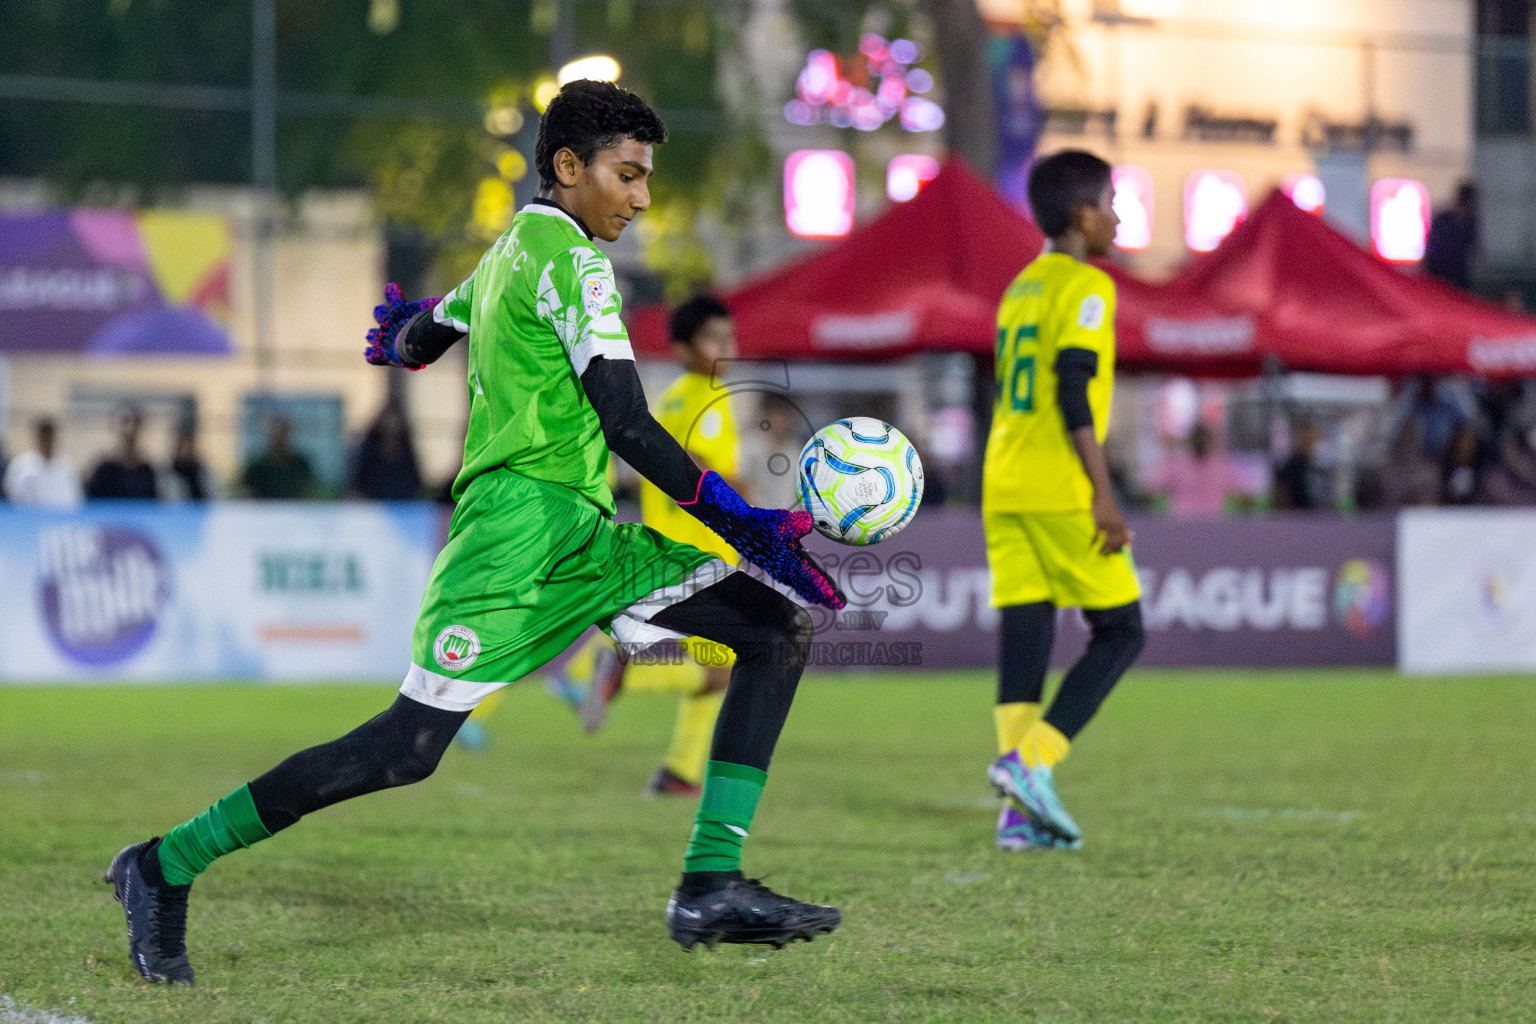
<point x="10" y="1013"/>
<point x="1282" y="813"/>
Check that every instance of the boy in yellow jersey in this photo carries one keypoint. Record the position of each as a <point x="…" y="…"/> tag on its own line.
<point x="1055" y="535"/>
<point x="697" y="412"/>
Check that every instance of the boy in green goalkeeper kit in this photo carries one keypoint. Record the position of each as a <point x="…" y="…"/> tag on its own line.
<point x="696" y="410"/>
<point x="534" y="557"/>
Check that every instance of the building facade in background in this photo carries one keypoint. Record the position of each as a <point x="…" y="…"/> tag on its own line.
<point x="1208" y="105"/>
<point x="1506" y="144"/>
<point x="328" y="272"/>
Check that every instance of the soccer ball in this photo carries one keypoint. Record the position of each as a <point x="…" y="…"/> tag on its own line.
<point x="860" y="479"/>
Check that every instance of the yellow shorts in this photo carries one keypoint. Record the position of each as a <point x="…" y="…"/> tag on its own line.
<point x="683" y="528"/>
<point x="1055" y="557"/>
<point x="709" y="653"/>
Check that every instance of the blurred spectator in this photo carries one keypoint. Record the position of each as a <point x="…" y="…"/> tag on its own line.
<point x="1452" y="243"/>
<point x="42" y="478"/>
<point x="189" y="474"/>
<point x="1439" y="405"/>
<point x="1196" y="479"/>
<point x="1409" y="478"/>
<point x="769" y="454"/>
<point x="1301" y="482"/>
<point x="1496" y="402"/>
<point x="1461" y="479"/>
<point x="278" y="472"/>
<point x="124" y="473"/>
<point x="386" y="468"/>
<point x="950" y="448"/>
<point x="1512" y="480"/>
<point x="443" y="493"/>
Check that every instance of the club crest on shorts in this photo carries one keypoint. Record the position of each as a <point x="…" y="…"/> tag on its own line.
<point x="456" y="648"/>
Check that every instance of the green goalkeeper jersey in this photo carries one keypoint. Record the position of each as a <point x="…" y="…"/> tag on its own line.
<point x="539" y="307"/>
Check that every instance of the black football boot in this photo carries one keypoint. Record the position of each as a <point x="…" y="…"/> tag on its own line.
<point x="157" y="918"/>
<point x="745" y="911"/>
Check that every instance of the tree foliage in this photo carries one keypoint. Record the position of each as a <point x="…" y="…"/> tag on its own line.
<point x="426" y="172"/>
<point x="436" y="51"/>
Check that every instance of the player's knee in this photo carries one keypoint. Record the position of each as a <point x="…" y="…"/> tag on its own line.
<point x="414" y="764"/>
<point x="1121" y="628"/>
<point x="783" y="638"/>
<point x="410" y="739"/>
<point x="410" y="770"/>
<point x="792" y="638"/>
<point x="801" y="628"/>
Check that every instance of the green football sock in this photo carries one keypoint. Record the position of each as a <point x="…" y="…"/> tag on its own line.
<point x="229" y="825"/>
<point x="725" y="815"/>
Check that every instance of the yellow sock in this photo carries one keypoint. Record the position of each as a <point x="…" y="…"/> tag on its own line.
<point x="691" y="737"/>
<point x="485" y="707"/>
<point x="1013" y="721"/>
<point x="1043" y="745"/>
<point x="686" y="676"/>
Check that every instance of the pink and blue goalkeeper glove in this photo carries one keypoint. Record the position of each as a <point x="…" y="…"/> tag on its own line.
<point x="767" y="537"/>
<point x="391" y="317"/>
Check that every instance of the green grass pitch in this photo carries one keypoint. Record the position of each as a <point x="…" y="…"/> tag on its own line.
<point x="1290" y="847"/>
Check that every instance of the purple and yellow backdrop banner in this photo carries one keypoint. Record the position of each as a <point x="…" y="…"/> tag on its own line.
<point x="114" y="282"/>
<point x="1284" y="590"/>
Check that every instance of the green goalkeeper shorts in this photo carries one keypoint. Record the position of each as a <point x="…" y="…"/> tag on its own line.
<point x="527" y="568"/>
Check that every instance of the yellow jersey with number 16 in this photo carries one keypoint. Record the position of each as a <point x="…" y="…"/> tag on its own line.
<point x="1055" y="303"/>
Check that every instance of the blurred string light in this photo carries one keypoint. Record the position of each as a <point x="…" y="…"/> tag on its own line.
<point x="1399" y="219"/>
<point x="819" y="193"/>
<point x="1133" y="205"/>
<point x="1215" y="202"/>
<point x="495" y="199"/>
<point x="545" y="90"/>
<point x="492" y="211"/>
<point x="512" y="165"/>
<point x="383" y="16"/>
<point x="906" y="175"/>
<point x="503" y="120"/>
<point x="866" y="90"/>
<point x="1306" y="191"/>
<point x="596" y="68"/>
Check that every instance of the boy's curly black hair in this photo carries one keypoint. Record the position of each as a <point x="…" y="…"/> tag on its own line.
<point x="1060" y="182"/>
<point x="689" y="318"/>
<point x="588" y="116"/>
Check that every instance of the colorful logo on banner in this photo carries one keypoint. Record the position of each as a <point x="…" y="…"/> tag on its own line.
<point x="1362" y="596"/>
<point x="102" y="590"/>
<point x="114" y="282"/>
<point x="1495" y="593"/>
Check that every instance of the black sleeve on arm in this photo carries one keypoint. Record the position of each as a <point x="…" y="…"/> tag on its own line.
<point x="1075" y="367"/>
<point x="423" y="340"/>
<point x="632" y="433"/>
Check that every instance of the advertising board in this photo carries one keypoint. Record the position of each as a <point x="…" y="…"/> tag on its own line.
<point x="1278" y="591"/>
<point x="1467" y="585"/>
<point x="292" y="591"/>
<point x="133" y="590"/>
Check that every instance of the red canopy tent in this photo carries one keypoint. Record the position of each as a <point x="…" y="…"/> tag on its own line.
<point x="927" y="275"/>
<point x="1289" y="286"/>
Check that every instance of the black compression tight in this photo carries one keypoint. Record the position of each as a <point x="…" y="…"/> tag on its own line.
<point x="401" y="746"/>
<point x="1117" y="639"/>
<point x="1024" y="651"/>
<point x="1027" y="634"/>
<point x="769" y="633"/>
<point x="771" y="636"/>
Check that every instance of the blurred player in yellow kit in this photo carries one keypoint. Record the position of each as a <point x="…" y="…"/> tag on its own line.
<point x="696" y="410"/>
<point x="1055" y="534"/>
